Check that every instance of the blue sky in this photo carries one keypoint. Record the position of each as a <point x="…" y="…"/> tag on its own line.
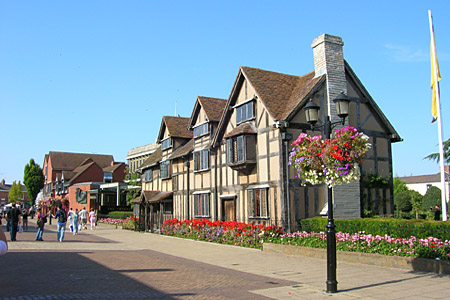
<point x="97" y="76"/>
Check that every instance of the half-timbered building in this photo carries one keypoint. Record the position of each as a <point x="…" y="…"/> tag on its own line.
<point x="233" y="163"/>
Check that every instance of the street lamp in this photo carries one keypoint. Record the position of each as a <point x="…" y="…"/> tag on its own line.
<point x="312" y="116"/>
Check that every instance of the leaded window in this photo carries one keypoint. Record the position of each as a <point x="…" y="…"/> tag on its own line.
<point x="201" y="130"/>
<point x="244" y="112"/>
<point x="258" y="203"/>
<point x="201" y="205"/>
<point x="201" y="160"/>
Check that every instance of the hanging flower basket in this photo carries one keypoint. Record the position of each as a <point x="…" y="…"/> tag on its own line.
<point x="333" y="161"/>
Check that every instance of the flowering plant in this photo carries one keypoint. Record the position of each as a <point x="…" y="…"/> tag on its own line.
<point x="223" y="232"/>
<point x="332" y="161"/>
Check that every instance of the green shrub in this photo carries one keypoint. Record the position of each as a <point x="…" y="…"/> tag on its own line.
<point x="398" y="228"/>
<point x="119" y="214"/>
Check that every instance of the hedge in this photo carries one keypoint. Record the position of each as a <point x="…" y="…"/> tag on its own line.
<point x="398" y="228"/>
<point x="119" y="214"/>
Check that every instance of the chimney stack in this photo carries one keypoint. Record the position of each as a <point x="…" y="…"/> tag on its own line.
<point x="329" y="61"/>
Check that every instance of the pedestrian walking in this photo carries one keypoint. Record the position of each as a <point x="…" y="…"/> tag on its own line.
<point x="25" y="220"/>
<point x="70" y="219"/>
<point x="75" y="222"/>
<point x="3" y="243"/>
<point x="92" y="218"/>
<point x="41" y="220"/>
<point x="61" y="216"/>
<point x="83" y="214"/>
<point x="15" y="213"/>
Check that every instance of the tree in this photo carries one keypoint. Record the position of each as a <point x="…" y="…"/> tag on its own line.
<point x="134" y="180"/>
<point x="15" y="193"/>
<point x="402" y="203"/>
<point x="431" y="198"/>
<point x="416" y="202"/>
<point x="435" y="156"/>
<point x="33" y="178"/>
<point x="399" y="186"/>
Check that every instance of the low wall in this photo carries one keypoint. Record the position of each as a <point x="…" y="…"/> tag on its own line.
<point x="409" y="263"/>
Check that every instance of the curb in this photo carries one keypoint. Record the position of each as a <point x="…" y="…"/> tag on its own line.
<point x="408" y="263"/>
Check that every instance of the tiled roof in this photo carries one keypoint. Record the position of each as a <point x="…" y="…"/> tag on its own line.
<point x="424" y="178"/>
<point x="178" y="127"/>
<point x="80" y="170"/>
<point x="213" y="107"/>
<point x="113" y="167"/>
<point x="153" y="159"/>
<point x="244" y="128"/>
<point x="155" y="196"/>
<point x="280" y="93"/>
<point x="69" y="161"/>
<point x="183" y="150"/>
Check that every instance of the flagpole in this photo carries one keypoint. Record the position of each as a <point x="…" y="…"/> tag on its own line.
<point x="438" y="111"/>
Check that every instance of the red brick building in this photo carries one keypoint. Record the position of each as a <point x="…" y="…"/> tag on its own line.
<point x="78" y="177"/>
<point x="4" y="193"/>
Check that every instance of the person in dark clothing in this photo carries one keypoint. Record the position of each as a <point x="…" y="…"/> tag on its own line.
<point x="15" y="212"/>
<point x="25" y="220"/>
<point x="437" y="213"/>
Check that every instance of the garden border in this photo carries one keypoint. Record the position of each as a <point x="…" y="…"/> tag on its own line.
<point x="408" y="263"/>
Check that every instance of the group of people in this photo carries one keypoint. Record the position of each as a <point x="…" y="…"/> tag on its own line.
<point x="16" y="220"/>
<point x="77" y="221"/>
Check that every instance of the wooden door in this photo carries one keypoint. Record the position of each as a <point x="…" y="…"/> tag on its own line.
<point x="228" y="210"/>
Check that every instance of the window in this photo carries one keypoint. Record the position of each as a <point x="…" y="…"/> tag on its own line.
<point x="201" y="205"/>
<point x="241" y="149"/>
<point x="165" y="169"/>
<point x="107" y="177"/>
<point x="201" y="160"/>
<point x="244" y="112"/>
<point x="166" y="144"/>
<point x="201" y="130"/>
<point x="148" y="174"/>
<point x="257" y="203"/>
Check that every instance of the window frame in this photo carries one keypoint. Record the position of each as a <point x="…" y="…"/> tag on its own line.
<point x="162" y="166"/>
<point x="245" y="108"/>
<point x="146" y="178"/>
<point x="256" y="204"/>
<point x="164" y="145"/>
<point x="237" y="149"/>
<point x="200" y="209"/>
<point x="202" y="133"/>
<point x="200" y="158"/>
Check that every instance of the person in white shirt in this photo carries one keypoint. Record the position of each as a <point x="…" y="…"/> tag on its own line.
<point x="3" y="243"/>
<point x="83" y="214"/>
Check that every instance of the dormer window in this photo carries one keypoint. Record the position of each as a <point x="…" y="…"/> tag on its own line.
<point x="107" y="177"/>
<point x="201" y="130"/>
<point x="245" y="112"/>
<point x="166" y="144"/>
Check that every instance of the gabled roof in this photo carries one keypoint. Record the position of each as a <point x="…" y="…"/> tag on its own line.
<point x="177" y="127"/>
<point x="69" y="161"/>
<point x="80" y="170"/>
<point x="153" y="159"/>
<point x="280" y="94"/>
<point x="213" y="108"/>
<point x="113" y="168"/>
<point x="183" y="150"/>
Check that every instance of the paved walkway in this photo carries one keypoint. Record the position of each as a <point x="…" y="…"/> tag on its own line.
<point x="308" y="274"/>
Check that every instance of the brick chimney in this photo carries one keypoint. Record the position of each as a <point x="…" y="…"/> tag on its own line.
<point x="329" y="61"/>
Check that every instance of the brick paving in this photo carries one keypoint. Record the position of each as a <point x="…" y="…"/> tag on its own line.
<point x="109" y="263"/>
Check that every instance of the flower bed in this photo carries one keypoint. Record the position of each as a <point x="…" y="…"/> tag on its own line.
<point x="431" y="248"/>
<point x="110" y="221"/>
<point x="230" y="232"/>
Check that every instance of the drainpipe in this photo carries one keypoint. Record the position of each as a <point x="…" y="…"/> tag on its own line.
<point x="286" y="137"/>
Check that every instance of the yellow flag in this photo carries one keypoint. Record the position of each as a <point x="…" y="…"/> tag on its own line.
<point x="434" y="84"/>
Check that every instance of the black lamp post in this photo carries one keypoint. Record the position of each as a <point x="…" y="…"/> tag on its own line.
<point x="312" y="116"/>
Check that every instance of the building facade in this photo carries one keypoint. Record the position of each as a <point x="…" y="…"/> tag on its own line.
<point x="234" y="163"/>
